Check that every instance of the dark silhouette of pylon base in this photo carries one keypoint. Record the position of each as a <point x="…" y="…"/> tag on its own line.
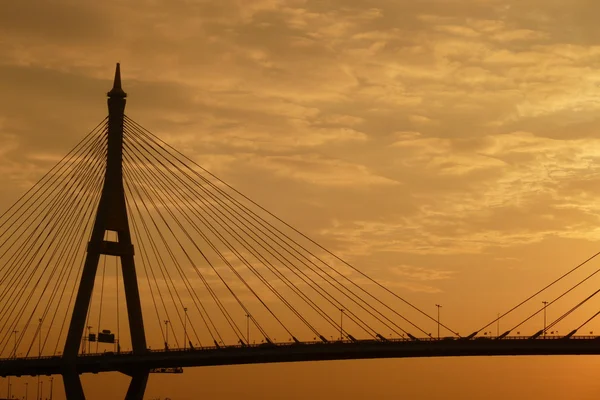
<point x="111" y="216"/>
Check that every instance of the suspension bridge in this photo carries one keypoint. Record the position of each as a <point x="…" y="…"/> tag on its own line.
<point x="127" y="231"/>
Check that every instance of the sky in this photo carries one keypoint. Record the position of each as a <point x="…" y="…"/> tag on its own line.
<point x="446" y="148"/>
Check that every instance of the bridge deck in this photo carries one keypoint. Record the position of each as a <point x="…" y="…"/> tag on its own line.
<point x="274" y="353"/>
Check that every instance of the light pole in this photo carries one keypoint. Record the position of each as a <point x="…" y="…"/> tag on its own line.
<point x="438" y="319"/>
<point x="498" y="326"/>
<point x="88" y="339"/>
<point x="248" y="329"/>
<point x="167" y="334"/>
<point x="545" y="305"/>
<point x="341" y="323"/>
<point x="39" y="338"/>
<point x="184" y="327"/>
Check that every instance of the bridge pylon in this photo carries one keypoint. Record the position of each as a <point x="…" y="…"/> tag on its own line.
<point x="111" y="216"/>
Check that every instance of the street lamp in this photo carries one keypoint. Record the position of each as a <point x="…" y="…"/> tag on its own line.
<point x="88" y="339"/>
<point x="184" y="327"/>
<point x="498" y="326"/>
<point x="39" y="338"/>
<point x="248" y="329"/>
<point x="341" y="323"/>
<point x="167" y="334"/>
<point x="438" y="319"/>
<point x="545" y="305"/>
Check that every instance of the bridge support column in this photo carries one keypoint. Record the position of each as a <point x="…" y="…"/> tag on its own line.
<point x="137" y="386"/>
<point x="111" y="216"/>
<point x="73" y="387"/>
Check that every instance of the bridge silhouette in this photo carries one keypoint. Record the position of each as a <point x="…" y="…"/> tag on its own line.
<point x="215" y="266"/>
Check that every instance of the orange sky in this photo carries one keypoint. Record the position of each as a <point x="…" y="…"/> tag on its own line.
<point x="445" y="147"/>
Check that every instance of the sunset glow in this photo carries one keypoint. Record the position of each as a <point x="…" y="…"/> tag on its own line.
<point x="446" y="148"/>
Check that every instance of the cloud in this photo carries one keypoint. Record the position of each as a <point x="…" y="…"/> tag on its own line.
<point x="519" y="35"/>
<point x="313" y="169"/>
<point x="421" y="273"/>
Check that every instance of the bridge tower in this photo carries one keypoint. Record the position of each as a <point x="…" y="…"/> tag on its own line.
<point x="111" y="216"/>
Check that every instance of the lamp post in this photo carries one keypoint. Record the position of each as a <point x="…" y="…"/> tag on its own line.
<point x="438" y="319"/>
<point x="167" y="334"/>
<point x="545" y="303"/>
<point x="39" y="338"/>
<point x="184" y="327"/>
<point x="88" y="339"/>
<point x="498" y="326"/>
<point x="248" y="329"/>
<point x="341" y="323"/>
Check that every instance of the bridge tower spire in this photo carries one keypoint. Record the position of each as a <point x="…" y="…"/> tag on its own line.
<point x="111" y="216"/>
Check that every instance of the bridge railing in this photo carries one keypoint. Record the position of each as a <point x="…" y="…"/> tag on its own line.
<point x="309" y="343"/>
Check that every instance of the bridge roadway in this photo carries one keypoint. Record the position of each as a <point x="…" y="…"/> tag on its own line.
<point x="313" y="351"/>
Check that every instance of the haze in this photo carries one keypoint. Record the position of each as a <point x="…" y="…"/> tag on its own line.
<point x="447" y="148"/>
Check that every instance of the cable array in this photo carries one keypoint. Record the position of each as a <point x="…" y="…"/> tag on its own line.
<point x="43" y="237"/>
<point x="219" y="266"/>
<point x="561" y="295"/>
<point x="214" y="268"/>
